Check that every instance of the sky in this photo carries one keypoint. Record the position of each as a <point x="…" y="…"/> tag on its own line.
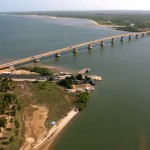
<point x="50" y="5"/>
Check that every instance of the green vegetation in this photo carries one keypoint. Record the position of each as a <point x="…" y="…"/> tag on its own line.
<point x="6" y="84"/>
<point x="81" y="101"/>
<point x="9" y="112"/>
<point x="49" y="94"/>
<point x="3" y="122"/>
<point x="67" y="83"/>
<point x="128" y="28"/>
<point x="40" y="70"/>
<point x="79" y="77"/>
<point x="58" y="101"/>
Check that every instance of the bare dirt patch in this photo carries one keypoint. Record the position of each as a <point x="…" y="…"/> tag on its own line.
<point x="34" y="117"/>
<point x="16" y="71"/>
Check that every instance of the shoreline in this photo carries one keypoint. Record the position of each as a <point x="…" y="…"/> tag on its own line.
<point x="47" y="139"/>
<point x="105" y="26"/>
<point x="94" y="23"/>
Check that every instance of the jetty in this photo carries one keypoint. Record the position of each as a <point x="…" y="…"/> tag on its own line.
<point x="83" y="71"/>
<point x="96" y="78"/>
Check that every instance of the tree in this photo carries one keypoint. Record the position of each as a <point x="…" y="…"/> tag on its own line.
<point x="19" y="107"/>
<point x="3" y="122"/>
<point x="67" y="83"/>
<point x="79" y="77"/>
<point x="11" y="120"/>
<point x="9" y="98"/>
<point x="87" y="79"/>
<point x="17" y="124"/>
<point x="82" y="101"/>
<point x="2" y="110"/>
<point x="13" y="112"/>
<point x="42" y="71"/>
<point x="16" y="132"/>
<point x="11" y="139"/>
<point x="6" y="84"/>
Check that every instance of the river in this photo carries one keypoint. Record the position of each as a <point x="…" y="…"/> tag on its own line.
<point x="118" y="113"/>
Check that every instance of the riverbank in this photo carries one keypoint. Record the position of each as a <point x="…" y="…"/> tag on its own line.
<point x="39" y="132"/>
<point x="46" y="141"/>
<point x="42" y="103"/>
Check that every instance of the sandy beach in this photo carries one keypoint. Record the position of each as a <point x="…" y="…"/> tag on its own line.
<point x="46" y="140"/>
<point x="89" y="22"/>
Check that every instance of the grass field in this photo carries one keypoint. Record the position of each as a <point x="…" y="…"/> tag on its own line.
<point x="54" y="97"/>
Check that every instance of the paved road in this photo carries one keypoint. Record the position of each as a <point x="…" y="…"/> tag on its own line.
<point x="20" y="76"/>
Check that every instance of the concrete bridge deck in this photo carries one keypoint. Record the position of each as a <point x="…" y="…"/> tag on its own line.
<point x="74" y="48"/>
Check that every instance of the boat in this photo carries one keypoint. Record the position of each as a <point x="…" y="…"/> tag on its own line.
<point x="89" y="88"/>
<point x="65" y="73"/>
<point x="79" y="90"/>
<point x="92" y="82"/>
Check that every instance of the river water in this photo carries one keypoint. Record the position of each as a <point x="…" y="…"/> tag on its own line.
<point x="118" y="113"/>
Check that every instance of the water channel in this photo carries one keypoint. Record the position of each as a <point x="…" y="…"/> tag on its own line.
<point x="118" y="114"/>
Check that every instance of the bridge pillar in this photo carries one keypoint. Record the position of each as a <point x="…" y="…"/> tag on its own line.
<point x="75" y="50"/>
<point x="102" y="43"/>
<point x="113" y="40"/>
<point x="90" y="46"/>
<point x="129" y="37"/>
<point x="57" y="54"/>
<point x="121" y="38"/>
<point x="137" y="35"/>
<point x="142" y="34"/>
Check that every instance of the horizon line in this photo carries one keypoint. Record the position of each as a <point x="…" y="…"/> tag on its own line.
<point x="72" y="10"/>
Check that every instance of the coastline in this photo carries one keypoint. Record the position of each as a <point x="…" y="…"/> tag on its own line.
<point x="93" y="23"/>
<point x="49" y="137"/>
<point x="105" y="26"/>
<point x="45" y="141"/>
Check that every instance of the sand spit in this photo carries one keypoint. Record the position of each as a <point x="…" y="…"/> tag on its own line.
<point x="47" y="139"/>
<point x="91" y="23"/>
<point x="36" y="135"/>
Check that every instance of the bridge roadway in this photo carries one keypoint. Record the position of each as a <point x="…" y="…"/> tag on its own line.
<point x="57" y="53"/>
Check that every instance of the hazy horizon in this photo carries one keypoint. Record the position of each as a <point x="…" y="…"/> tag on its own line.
<point x="72" y="5"/>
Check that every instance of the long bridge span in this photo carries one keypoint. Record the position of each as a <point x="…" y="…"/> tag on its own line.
<point x="74" y="48"/>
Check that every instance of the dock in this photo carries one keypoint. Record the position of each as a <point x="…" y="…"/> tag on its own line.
<point x="96" y="78"/>
<point x="83" y="71"/>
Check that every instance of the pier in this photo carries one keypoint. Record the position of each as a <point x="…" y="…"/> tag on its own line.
<point x="75" y="48"/>
<point x="83" y="71"/>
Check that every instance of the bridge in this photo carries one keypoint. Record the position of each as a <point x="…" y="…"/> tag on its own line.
<point x="74" y="48"/>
